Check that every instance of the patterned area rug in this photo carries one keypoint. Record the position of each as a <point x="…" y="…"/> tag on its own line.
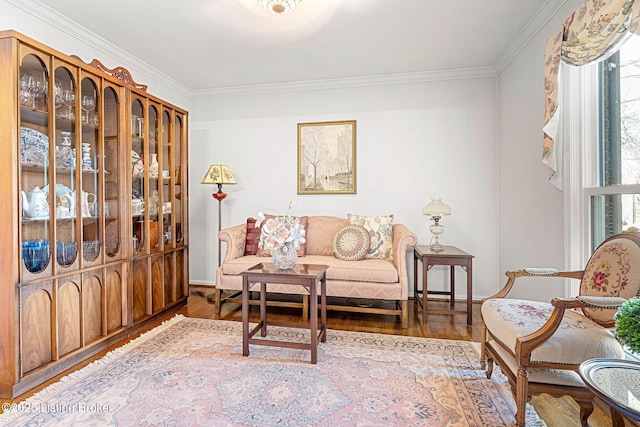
<point x="190" y="372"/>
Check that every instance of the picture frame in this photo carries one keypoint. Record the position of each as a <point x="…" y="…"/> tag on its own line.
<point x="327" y="157"/>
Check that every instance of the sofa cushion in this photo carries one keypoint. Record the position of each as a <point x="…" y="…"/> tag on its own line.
<point x="253" y="237"/>
<point x="320" y="232"/>
<point x="367" y="270"/>
<point x="380" y="230"/>
<point x="351" y="243"/>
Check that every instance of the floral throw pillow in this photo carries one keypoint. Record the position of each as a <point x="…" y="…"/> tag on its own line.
<point x="380" y="230"/>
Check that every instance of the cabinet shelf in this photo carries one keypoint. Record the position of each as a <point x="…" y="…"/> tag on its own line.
<point x="35" y="167"/>
<point x="34" y="116"/>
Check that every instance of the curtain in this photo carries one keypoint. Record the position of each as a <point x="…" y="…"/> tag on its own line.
<point x="591" y="33"/>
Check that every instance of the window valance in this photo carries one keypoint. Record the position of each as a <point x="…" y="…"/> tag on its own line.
<point x="591" y="33"/>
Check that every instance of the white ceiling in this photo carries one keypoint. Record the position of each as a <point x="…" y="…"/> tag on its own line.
<point x="208" y="44"/>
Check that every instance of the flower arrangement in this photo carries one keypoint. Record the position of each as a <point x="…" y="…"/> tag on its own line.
<point x="628" y="324"/>
<point x="281" y="232"/>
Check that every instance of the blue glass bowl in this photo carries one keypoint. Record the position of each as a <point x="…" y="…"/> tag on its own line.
<point x="91" y="249"/>
<point x="35" y="254"/>
<point x="66" y="253"/>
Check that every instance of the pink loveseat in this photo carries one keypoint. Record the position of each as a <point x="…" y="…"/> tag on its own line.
<point x="380" y="279"/>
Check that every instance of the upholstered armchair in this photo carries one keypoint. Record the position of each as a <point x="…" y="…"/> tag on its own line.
<point x="540" y="346"/>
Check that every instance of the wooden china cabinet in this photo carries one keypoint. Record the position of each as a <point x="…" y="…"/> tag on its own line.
<point x="93" y="219"/>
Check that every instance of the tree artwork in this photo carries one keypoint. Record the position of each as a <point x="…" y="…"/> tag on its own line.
<point x="326" y="158"/>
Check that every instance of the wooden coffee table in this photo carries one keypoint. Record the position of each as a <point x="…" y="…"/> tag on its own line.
<point x="307" y="275"/>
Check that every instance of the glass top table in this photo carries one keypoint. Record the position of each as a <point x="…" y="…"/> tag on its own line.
<point x="617" y="383"/>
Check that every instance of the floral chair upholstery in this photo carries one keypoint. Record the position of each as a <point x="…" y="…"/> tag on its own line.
<point x="540" y="346"/>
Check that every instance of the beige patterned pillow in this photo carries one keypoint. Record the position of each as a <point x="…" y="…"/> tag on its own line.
<point x="351" y="243"/>
<point x="380" y="230"/>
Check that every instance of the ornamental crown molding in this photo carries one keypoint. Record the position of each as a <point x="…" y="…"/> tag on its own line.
<point x="143" y="71"/>
<point x="351" y="82"/>
<point x="547" y="11"/>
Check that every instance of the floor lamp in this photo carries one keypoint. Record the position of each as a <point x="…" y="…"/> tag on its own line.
<point x="219" y="174"/>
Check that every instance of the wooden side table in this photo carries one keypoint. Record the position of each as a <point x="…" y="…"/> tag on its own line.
<point x="451" y="256"/>
<point x="617" y="383"/>
<point x="311" y="277"/>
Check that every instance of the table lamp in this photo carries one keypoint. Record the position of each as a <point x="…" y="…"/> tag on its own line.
<point x="436" y="209"/>
<point x="219" y="174"/>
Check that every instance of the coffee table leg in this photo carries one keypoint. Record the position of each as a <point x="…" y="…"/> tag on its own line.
<point x="314" y="321"/>
<point x="263" y="309"/>
<point x="245" y="316"/>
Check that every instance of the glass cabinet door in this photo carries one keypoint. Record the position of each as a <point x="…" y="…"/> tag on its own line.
<point x="138" y="188"/>
<point x="87" y="206"/>
<point x="111" y="171"/>
<point x="154" y="201"/>
<point x="65" y="143"/>
<point x="178" y="202"/>
<point x="35" y="172"/>
<point x="168" y="192"/>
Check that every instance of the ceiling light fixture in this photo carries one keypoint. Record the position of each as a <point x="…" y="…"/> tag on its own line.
<point x="279" y="7"/>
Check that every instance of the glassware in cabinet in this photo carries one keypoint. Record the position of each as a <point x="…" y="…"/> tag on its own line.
<point x="35" y="169"/>
<point x="65" y="141"/>
<point x="154" y="199"/>
<point x="178" y="173"/>
<point x="91" y="181"/>
<point x="138" y="173"/>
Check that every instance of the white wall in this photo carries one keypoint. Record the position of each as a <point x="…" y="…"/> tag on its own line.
<point x="531" y="209"/>
<point x="54" y="30"/>
<point x="413" y="140"/>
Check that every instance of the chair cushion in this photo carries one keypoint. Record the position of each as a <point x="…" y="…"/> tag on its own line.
<point x="611" y="272"/>
<point x="577" y="339"/>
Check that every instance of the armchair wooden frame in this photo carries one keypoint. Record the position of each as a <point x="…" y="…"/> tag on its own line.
<point x="522" y="388"/>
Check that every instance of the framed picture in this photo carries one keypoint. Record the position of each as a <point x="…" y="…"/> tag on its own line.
<point x="327" y="157"/>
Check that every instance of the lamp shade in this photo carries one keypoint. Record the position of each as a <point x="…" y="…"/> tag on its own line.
<point x="218" y="174"/>
<point x="436" y="207"/>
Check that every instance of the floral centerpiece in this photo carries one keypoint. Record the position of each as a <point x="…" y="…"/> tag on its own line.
<point x="282" y="235"/>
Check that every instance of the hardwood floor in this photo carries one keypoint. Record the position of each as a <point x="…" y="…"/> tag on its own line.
<point x="556" y="412"/>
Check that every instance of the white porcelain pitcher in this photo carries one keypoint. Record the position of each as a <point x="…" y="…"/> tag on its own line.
<point x="86" y="203"/>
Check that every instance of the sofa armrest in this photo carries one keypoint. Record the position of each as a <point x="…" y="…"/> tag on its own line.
<point x="402" y="239"/>
<point x="235" y="238"/>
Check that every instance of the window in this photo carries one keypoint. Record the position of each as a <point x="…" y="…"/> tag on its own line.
<point x="614" y="198"/>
